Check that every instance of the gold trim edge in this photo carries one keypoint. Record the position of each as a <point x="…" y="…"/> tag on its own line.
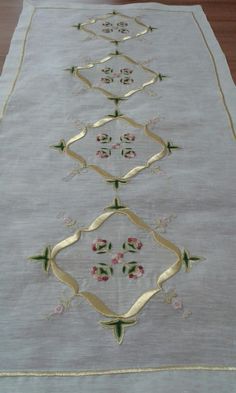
<point x="91" y="373"/>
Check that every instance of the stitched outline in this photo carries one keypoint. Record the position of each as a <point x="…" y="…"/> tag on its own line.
<point x="96" y="302"/>
<point x="147" y="9"/>
<point x="91" y="373"/>
<point x="111" y="15"/>
<point x="106" y="92"/>
<point x="132" y="172"/>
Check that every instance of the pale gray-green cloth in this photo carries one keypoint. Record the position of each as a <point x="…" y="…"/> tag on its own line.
<point x="194" y="188"/>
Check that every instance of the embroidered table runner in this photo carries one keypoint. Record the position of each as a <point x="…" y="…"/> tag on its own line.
<point x="118" y="202"/>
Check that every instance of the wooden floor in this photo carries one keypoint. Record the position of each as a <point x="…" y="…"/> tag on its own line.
<point x="221" y="15"/>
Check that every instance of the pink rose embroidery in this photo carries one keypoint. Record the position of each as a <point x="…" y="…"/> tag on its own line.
<point x="104" y="153"/>
<point x="101" y="246"/>
<point x="107" y="79"/>
<point x="138" y="272"/>
<point x="123" y="31"/>
<point x="134" y="243"/>
<point x="126" y="80"/>
<point x="116" y="146"/>
<point x="128" y="153"/>
<point x="107" y="30"/>
<point x="104" y="138"/>
<point x="117" y="258"/>
<point x="116" y="75"/>
<point x="59" y="309"/>
<point x="128" y="137"/>
<point x="101" y="272"/>
<point x="122" y="24"/>
<point x="126" y="71"/>
<point x="177" y="303"/>
<point x="107" y="70"/>
<point x="106" y="23"/>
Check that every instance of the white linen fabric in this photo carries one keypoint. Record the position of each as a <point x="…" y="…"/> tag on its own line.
<point x="44" y="200"/>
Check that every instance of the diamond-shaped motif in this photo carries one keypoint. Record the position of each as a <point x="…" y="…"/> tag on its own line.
<point x="121" y="139"/>
<point x="115" y="27"/>
<point x="117" y="75"/>
<point x="94" y="292"/>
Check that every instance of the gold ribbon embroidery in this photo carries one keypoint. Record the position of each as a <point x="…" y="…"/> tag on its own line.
<point x="83" y="26"/>
<point x="107" y="93"/>
<point x="92" y="299"/>
<point x="98" y="169"/>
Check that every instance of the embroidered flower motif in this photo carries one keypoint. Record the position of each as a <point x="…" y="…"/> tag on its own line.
<point x="171" y="297"/>
<point x="123" y="31"/>
<point x="133" y="270"/>
<point x="107" y="70"/>
<point x="126" y="71"/>
<point x="132" y="245"/>
<point x="107" y="30"/>
<point x="101" y="272"/>
<point x="59" y="309"/>
<point x="101" y="246"/>
<point x="163" y="222"/>
<point x="106" y="23"/>
<point x="104" y="138"/>
<point x="177" y="303"/>
<point x="106" y="152"/>
<point x="126" y="80"/>
<point x="117" y="258"/>
<point x="116" y="146"/>
<point x="127" y="138"/>
<point x="107" y="80"/>
<point x="128" y="153"/>
<point x="122" y="24"/>
<point x="103" y="153"/>
<point x="139" y="271"/>
<point x="110" y="75"/>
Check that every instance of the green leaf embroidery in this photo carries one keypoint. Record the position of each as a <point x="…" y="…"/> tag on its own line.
<point x="43" y="258"/>
<point x="161" y="77"/>
<point x="151" y="28"/>
<point x="71" y="69"/>
<point x="170" y="147"/>
<point x="78" y="26"/>
<point x="60" y="146"/>
<point x="118" y="326"/>
<point x="116" y="205"/>
<point x="116" y="101"/>
<point x="187" y="258"/>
